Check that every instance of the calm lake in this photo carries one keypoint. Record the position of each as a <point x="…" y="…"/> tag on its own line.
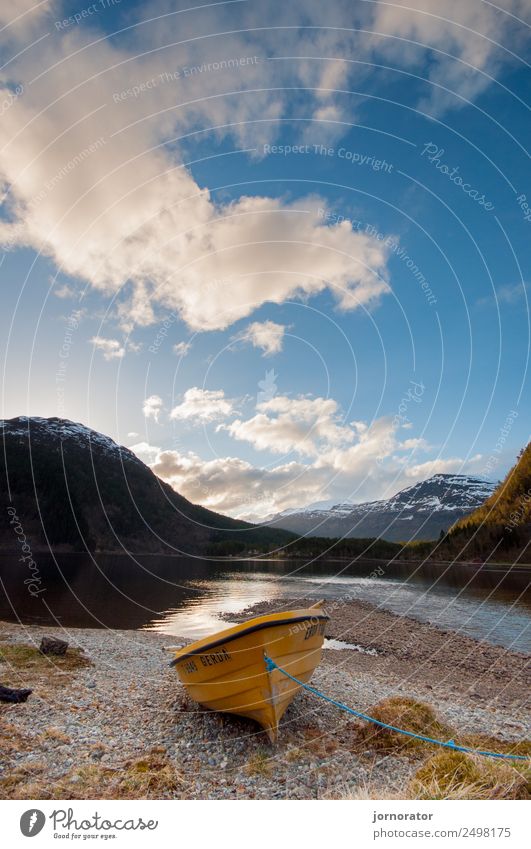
<point x="184" y="596"/>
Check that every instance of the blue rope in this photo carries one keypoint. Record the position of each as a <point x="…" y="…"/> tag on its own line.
<point x="450" y="744"/>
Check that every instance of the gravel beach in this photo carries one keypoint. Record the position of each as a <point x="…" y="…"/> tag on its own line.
<point x="122" y="711"/>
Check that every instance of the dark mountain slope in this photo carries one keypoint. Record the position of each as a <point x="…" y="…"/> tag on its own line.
<point x="73" y="488"/>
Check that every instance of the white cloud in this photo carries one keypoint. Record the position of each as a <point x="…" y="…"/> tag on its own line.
<point x="238" y="488"/>
<point x="469" y="31"/>
<point x="111" y="349"/>
<point x="181" y="349"/>
<point x="267" y="335"/>
<point x="132" y="434"/>
<point x="22" y="17"/>
<point x="114" y="205"/>
<point x="233" y="486"/>
<point x="356" y="461"/>
<point x="64" y="291"/>
<point x="421" y="471"/>
<point x="203" y="405"/>
<point x="303" y="425"/>
<point x="153" y="407"/>
<point x="146" y="452"/>
<point x="509" y="294"/>
<point x="94" y="184"/>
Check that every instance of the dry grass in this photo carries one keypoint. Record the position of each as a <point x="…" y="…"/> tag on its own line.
<point x="259" y="764"/>
<point x="446" y="774"/>
<point x="152" y="777"/>
<point x="23" y="656"/>
<point x="318" y="742"/>
<point x="14" y="785"/>
<point x="11" y="739"/>
<point x="370" y="790"/>
<point x="456" y="775"/>
<point x="55" y="735"/>
<point x="407" y="714"/>
<point x="486" y="743"/>
<point x="294" y="754"/>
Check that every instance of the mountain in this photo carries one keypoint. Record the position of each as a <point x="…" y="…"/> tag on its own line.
<point x="418" y="512"/>
<point x="502" y="524"/>
<point x="73" y="488"/>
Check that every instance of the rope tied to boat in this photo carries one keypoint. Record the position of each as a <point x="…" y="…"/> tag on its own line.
<point x="448" y="744"/>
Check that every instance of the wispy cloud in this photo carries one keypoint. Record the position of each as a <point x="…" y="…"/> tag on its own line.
<point x="509" y="294"/>
<point x="181" y="349"/>
<point x="112" y="349"/>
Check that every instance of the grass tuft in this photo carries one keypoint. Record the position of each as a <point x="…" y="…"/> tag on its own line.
<point x="22" y="656"/>
<point x="259" y="764"/>
<point x="456" y="775"/>
<point x="151" y="777"/>
<point x="407" y="714"/>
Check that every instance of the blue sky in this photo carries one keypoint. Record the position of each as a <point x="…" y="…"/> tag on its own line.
<point x="286" y="262"/>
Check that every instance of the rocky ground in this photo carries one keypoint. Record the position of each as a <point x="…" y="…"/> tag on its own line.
<point x="116" y="723"/>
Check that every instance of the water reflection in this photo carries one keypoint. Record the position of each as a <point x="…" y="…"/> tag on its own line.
<point x="186" y="597"/>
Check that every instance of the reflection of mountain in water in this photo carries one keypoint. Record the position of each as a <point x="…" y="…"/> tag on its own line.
<point x="115" y="592"/>
<point x="176" y="595"/>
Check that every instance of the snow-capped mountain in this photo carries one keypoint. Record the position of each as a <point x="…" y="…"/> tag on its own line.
<point x="420" y="511"/>
<point x="37" y="430"/>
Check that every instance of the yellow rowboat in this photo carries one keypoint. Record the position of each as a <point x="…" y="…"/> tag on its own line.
<point x="227" y="671"/>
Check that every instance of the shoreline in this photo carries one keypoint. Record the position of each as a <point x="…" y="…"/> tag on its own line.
<point x="98" y="722"/>
<point x="489" y="567"/>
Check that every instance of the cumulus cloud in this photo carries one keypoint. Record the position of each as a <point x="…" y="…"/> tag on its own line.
<point x="355" y="461"/>
<point x="238" y="488"/>
<point x="267" y="335"/>
<point x="94" y="153"/>
<point x="112" y="349"/>
<point x="231" y="485"/>
<point x="203" y="405"/>
<point x="153" y="407"/>
<point x="303" y="425"/>
<point x="94" y="185"/>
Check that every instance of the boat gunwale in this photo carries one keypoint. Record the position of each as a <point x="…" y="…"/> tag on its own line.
<point x="260" y="623"/>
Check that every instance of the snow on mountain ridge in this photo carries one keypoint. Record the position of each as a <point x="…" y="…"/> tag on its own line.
<point x="458" y="491"/>
<point x="425" y="508"/>
<point x="39" y="428"/>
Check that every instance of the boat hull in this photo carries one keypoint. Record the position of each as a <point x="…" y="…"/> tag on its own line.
<point x="227" y="672"/>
